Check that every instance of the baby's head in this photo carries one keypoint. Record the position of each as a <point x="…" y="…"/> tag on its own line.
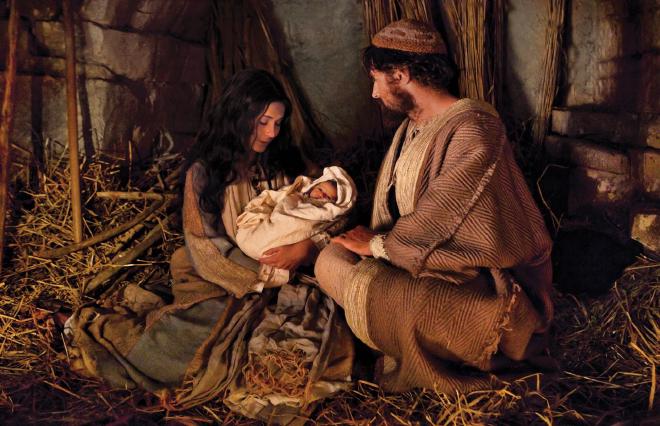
<point x="326" y="191"/>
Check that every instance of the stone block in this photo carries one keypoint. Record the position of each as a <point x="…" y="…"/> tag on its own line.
<point x="646" y="228"/>
<point x="610" y="38"/>
<point x="49" y="36"/>
<point x="112" y="13"/>
<point x="650" y="173"/>
<point x="56" y="67"/>
<point x="40" y="109"/>
<point x="650" y="83"/>
<point x="157" y="15"/>
<point x="650" y="132"/>
<point x="130" y="55"/>
<point x="617" y="128"/>
<point x="593" y="190"/>
<point x="581" y="153"/>
<point x="179" y="61"/>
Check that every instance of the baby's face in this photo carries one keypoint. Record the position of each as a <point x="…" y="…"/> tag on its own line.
<point x="324" y="191"/>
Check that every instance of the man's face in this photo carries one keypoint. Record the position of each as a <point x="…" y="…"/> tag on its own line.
<point x="388" y="91"/>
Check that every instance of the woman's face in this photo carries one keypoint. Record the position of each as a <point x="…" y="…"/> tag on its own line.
<point x="267" y="126"/>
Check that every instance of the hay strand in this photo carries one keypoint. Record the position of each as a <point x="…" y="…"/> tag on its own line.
<point x="278" y="372"/>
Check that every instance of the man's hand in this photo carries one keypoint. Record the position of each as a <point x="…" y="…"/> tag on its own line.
<point x="290" y="256"/>
<point x="356" y="240"/>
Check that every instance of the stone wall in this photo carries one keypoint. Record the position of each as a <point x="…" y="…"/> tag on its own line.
<point x="610" y="109"/>
<point x="141" y="67"/>
<point x="324" y="40"/>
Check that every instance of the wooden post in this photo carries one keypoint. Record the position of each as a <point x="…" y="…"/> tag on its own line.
<point x="7" y="119"/>
<point x="72" y="120"/>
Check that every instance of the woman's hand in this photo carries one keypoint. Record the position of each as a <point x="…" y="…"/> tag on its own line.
<point x="290" y="256"/>
<point x="356" y="240"/>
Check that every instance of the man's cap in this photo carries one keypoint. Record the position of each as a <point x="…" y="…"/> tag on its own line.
<point x="411" y="36"/>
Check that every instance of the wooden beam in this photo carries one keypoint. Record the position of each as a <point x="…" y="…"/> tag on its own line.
<point x="7" y="120"/>
<point x="122" y="260"/>
<point x="72" y="120"/>
<point x="103" y="236"/>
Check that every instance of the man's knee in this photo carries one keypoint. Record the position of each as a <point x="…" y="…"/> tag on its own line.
<point x="333" y="269"/>
<point x="333" y="258"/>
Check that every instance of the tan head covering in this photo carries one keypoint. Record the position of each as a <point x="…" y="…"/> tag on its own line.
<point x="410" y="36"/>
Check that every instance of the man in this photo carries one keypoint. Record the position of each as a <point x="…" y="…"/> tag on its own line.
<point x="456" y="274"/>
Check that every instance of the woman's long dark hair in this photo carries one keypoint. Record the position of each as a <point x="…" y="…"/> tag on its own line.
<point x="223" y="144"/>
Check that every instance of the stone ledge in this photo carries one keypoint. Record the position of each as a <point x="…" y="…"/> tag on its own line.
<point x="582" y="153"/>
<point x="617" y="128"/>
<point x="646" y="228"/>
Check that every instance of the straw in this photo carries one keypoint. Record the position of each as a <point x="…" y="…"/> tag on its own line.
<point x="607" y="347"/>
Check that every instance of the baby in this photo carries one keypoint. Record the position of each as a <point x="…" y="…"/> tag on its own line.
<point x="294" y="213"/>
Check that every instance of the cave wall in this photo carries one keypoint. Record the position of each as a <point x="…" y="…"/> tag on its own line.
<point x="605" y="126"/>
<point x="141" y="68"/>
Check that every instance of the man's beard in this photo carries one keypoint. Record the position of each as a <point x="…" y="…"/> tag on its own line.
<point x="402" y="101"/>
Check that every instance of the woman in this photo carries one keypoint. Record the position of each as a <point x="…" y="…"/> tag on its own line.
<point x="192" y="349"/>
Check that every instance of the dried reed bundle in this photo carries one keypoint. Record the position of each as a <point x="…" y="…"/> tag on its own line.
<point x="553" y="43"/>
<point x="279" y="372"/>
<point x="379" y="13"/>
<point x="476" y="37"/>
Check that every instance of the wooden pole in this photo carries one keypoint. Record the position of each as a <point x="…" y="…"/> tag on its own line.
<point x="72" y="119"/>
<point x="7" y="120"/>
<point x="103" y="236"/>
<point x="120" y="261"/>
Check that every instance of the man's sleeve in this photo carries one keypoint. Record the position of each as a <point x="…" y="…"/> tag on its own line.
<point x="470" y="160"/>
<point x="208" y="257"/>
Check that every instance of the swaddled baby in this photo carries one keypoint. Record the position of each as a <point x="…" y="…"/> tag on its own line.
<point x="302" y="210"/>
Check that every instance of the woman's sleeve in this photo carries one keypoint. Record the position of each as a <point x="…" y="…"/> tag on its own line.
<point x="469" y="163"/>
<point x="209" y="254"/>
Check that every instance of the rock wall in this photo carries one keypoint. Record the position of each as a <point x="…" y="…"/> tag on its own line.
<point x="610" y="108"/>
<point x="141" y="68"/>
<point x="324" y="40"/>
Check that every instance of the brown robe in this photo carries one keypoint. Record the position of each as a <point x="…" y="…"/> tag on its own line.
<point x="468" y="247"/>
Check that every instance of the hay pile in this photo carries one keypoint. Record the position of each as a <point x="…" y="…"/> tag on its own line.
<point x="607" y="347"/>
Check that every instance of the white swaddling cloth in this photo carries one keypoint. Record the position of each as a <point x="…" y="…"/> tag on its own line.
<point x="289" y="215"/>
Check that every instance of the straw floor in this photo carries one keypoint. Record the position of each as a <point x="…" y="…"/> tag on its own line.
<point x="607" y="347"/>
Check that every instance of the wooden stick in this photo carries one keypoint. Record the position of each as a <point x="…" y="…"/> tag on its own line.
<point x="122" y="259"/>
<point x="103" y="236"/>
<point x="72" y="119"/>
<point x="134" y="195"/>
<point x="7" y="120"/>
